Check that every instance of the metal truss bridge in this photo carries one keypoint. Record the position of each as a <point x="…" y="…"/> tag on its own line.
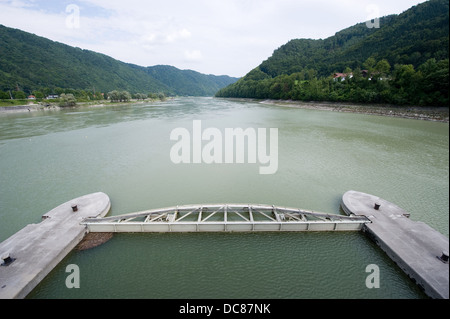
<point x="225" y="218"/>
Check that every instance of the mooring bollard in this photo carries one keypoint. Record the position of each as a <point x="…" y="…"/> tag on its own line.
<point x="74" y="207"/>
<point x="444" y="257"/>
<point x="377" y="206"/>
<point x="6" y="259"/>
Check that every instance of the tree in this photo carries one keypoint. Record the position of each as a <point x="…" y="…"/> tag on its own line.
<point x="4" y="95"/>
<point x="98" y="96"/>
<point x="369" y="64"/>
<point x="357" y="74"/>
<point x="347" y="70"/>
<point x="383" y="67"/>
<point x="124" y="96"/>
<point x="152" y="96"/>
<point x="435" y="82"/>
<point x="19" y="95"/>
<point x="38" y="94"/>
<point x="114" y="96"/>
<point x="429" y="67"/>
<point x="406" y="84"/>
<point x="161" y="96"/>
<point x="140" y="96"/>
<point x="66" y="100"/>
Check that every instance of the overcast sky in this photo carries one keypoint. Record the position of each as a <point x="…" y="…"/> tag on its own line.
<point x="210" y="36"/>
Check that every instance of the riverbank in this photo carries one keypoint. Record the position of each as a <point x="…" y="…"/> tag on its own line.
<point x="28" y="108"/>
<point x="54" y="106"/>
<point x="436" y="114"/>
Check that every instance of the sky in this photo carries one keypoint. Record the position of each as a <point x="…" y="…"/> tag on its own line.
<point x="220" y="37"/>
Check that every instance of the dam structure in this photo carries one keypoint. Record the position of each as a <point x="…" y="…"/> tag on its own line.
<point x="418" y="249"/>
<point x="226" y="218"/>
<point x="30" y="254"/>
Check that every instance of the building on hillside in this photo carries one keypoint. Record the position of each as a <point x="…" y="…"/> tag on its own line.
<point x="342" y="76"/>
<point x="364" y="74"/>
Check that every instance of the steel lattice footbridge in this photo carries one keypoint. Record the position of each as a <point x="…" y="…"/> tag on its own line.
<point x="30" y="254"/>
<point x="225" y="217"/>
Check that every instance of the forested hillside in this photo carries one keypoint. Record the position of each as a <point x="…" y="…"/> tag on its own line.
<point x="29" y="63"/>
<point x="405" y="61"/>
<point x="188" y="82"/>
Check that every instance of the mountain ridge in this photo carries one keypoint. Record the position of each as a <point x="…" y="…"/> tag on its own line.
<point x="412" y="44"/>
<point x="355" y="44"/>
<point x="31" y="62"/>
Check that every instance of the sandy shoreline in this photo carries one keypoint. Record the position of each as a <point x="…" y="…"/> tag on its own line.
<point x="27" y="108"/>
<point x="55" y="107"/>
<point x="436" y="114"/>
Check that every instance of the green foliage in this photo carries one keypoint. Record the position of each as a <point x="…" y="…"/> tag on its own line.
<point x="188" y="82"/>
<point x="33" y="63"/>
<point x="38" y="94"/>
<point x="66" y="100"/>
<point x="383" y="67"/>
<point x="139" y="96"/>
<point x="161" y="96"/>
<point x="9" y="102"/>
<point x="403" y="85"/>
<point x="119" y="96"/>
<point x="4" y="95"/>
<point x="415" y="42"/>
<point x="19" y="95"/>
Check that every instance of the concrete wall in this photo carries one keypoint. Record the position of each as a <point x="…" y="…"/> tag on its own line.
<point x="160" y="227"/>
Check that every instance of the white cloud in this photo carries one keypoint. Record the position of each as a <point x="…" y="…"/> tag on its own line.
<point x="211" y="36"/>
<point x="162" y="37"/>
<point x="18" y="3"/>
<point x="194" y="55"/>
<point x="174" y="36"/>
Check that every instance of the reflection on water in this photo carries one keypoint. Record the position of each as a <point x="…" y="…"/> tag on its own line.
<point x="18" y="125"/>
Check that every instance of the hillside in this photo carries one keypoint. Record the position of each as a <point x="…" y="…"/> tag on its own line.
<point x="32" y="63"/>
<point x="414" y="38"/>
<point x="188" y="82"/>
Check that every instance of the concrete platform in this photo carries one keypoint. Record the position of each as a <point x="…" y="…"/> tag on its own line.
<point x="414" y="246"/>
<point x="30" y="254"/>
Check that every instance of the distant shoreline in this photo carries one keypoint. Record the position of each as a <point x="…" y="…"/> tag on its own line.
<point x="55" y="106"/>
<point x="435" y="114"/>
<point x="27" y="108"/>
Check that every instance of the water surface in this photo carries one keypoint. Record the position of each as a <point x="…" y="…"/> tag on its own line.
<point x="49" y="158"/>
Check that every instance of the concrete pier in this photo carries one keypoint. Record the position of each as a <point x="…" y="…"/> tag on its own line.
<point x="414" y="246"/>
<point x="30" y="254"/>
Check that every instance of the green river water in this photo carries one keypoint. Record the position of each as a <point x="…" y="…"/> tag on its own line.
<point x="48" y="158"/>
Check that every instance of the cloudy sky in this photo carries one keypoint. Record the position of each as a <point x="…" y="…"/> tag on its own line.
<point x="210" y="36"/>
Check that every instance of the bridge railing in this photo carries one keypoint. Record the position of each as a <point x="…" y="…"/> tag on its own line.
<point x="225" y="217"/>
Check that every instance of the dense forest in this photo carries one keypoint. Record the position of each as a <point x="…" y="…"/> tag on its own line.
<point x="31" y="63"/>
<point x="405" y="61"/>
<point x="188" y="82"/>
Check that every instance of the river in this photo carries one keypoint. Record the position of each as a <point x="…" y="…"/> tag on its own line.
<point x="47" y="158"/>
